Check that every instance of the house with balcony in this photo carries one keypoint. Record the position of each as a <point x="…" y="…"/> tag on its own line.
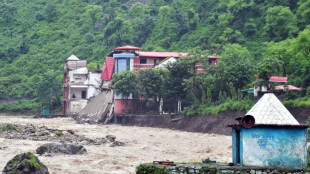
<point x="131" y="58"/>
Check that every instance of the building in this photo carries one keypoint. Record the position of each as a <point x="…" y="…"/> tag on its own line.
<point x="131" y="58"/>
<point x="79" y="85"/>
<point x="269" y="136"/>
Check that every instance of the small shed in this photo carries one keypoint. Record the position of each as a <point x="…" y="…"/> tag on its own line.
<point x="269" y="136"/>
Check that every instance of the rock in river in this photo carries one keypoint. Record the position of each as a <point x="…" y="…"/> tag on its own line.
<point x="60" y="148"/>
<point x="25" y="163"/>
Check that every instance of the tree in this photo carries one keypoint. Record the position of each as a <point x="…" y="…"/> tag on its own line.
<point x="51" y="12"/>
<point x="49" y="89"/>
<point x="174" y="89"/>
<point x="281" y="23"/>
<point x="150" y="84"/>
<point x="94" y="12"/>
<point x="125" y="84"/>
<point x="303" y="12"/>
<point x="281" y="51"/>
<point x="7" y="12"/>
<point x="240" y="74"/>
<point x="233" y="53"/>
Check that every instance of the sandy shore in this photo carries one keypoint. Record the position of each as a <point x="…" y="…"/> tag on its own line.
<point x="143" y="144"/>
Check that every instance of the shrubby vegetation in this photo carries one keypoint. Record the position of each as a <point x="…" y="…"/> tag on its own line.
<point x="252" y="37"/>
<point x="203" y="93"/>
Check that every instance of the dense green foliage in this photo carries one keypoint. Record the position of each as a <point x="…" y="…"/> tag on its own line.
<point x="202" y="93"/>
<point x="251" y="36"/>
<point x="8" y="127"/>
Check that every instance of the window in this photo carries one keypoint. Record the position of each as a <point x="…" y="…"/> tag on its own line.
<point x="142" y="60"/>
<point x="154" y="61"/>
<point x="84" y="94"/>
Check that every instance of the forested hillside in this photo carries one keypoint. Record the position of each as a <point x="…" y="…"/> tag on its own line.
<point x="251" y="36"/>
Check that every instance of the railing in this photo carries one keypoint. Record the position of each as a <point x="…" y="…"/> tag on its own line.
<point x="138" y="67"/>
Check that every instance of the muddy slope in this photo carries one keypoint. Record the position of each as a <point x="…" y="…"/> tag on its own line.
<point x="216" y="124"/>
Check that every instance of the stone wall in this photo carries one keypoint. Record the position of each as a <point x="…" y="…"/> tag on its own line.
<point x="212" y="169"/>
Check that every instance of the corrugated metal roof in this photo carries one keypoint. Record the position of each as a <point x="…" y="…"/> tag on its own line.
<point x="290" y="87"/>
<point x="161" y="54"/>
<point x="269" y="110"/>
<point x="108" y="68"/>
<point x="167" y="54"/>
<point x="127" y="47"/>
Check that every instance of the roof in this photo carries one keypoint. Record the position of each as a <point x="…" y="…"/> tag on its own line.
<point x="166" y="62"/>
<point x="213" y="57"/>
<point x="290" y="87"/>
<point x="167" y="54"/>
<point x="161" y="54"/>
<point x="123" y="55"/>
<point x="108" y="68"/>
<point x="73" y="57"/>
<point x="127" y="47"/>
<point x="269" y="110"/>
<point x="83" y="70"/>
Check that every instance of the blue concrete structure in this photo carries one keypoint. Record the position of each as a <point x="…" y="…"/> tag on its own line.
<point x="269" y="136"/>
<point x="123" y="62"/>
<point x="270" y="146"/>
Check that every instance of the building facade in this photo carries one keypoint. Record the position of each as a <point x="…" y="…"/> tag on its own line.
<point x="79" y="85"/>
<point x="131" y="58"/>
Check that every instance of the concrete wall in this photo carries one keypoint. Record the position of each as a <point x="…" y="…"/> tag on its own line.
<point x="79" y="78"/>
<point x="273" y="146"/>
<point x="92" y="91"/>
<point x="77" y="92"/>
<point x="212" y="169"/>
<point x="119" y="106"/>
<point x="76" y="106"/>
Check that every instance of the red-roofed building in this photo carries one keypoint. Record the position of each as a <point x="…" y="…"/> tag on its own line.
<point x="131" y="58"/>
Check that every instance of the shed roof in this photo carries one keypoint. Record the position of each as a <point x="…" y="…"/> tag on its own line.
<point x="269" y="110"/>
<point x="290" y="87"/>
<point x="73" y="57"/>
<point x="127" y="47"/>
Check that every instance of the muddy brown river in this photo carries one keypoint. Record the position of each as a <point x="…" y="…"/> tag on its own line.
<point x="142" y="145"/>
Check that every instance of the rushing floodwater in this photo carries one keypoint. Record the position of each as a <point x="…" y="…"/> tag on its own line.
<point x="143" y="144"/>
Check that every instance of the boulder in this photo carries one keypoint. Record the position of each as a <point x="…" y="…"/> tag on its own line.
<point x="25" y="163"/>
<point x="111" y="138"/>
<point x="60" y="148"/>
<point x="117" y="143"/>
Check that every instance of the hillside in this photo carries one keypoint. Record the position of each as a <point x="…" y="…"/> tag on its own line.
<point x="38" y="35"/>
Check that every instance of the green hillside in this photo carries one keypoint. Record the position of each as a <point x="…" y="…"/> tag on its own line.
<point x="36" y="36"/>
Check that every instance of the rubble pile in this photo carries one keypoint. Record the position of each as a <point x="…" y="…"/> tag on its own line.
<point x="43" y="133"/>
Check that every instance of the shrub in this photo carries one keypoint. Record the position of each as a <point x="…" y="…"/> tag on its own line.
<point x="204" y="109"/>
<point x="58" y="133"/>
<point x="8" y="127"/>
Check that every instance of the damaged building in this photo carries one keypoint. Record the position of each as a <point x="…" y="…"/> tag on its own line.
<point x="107" y="103"/>
<point x="79" y="85"/>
